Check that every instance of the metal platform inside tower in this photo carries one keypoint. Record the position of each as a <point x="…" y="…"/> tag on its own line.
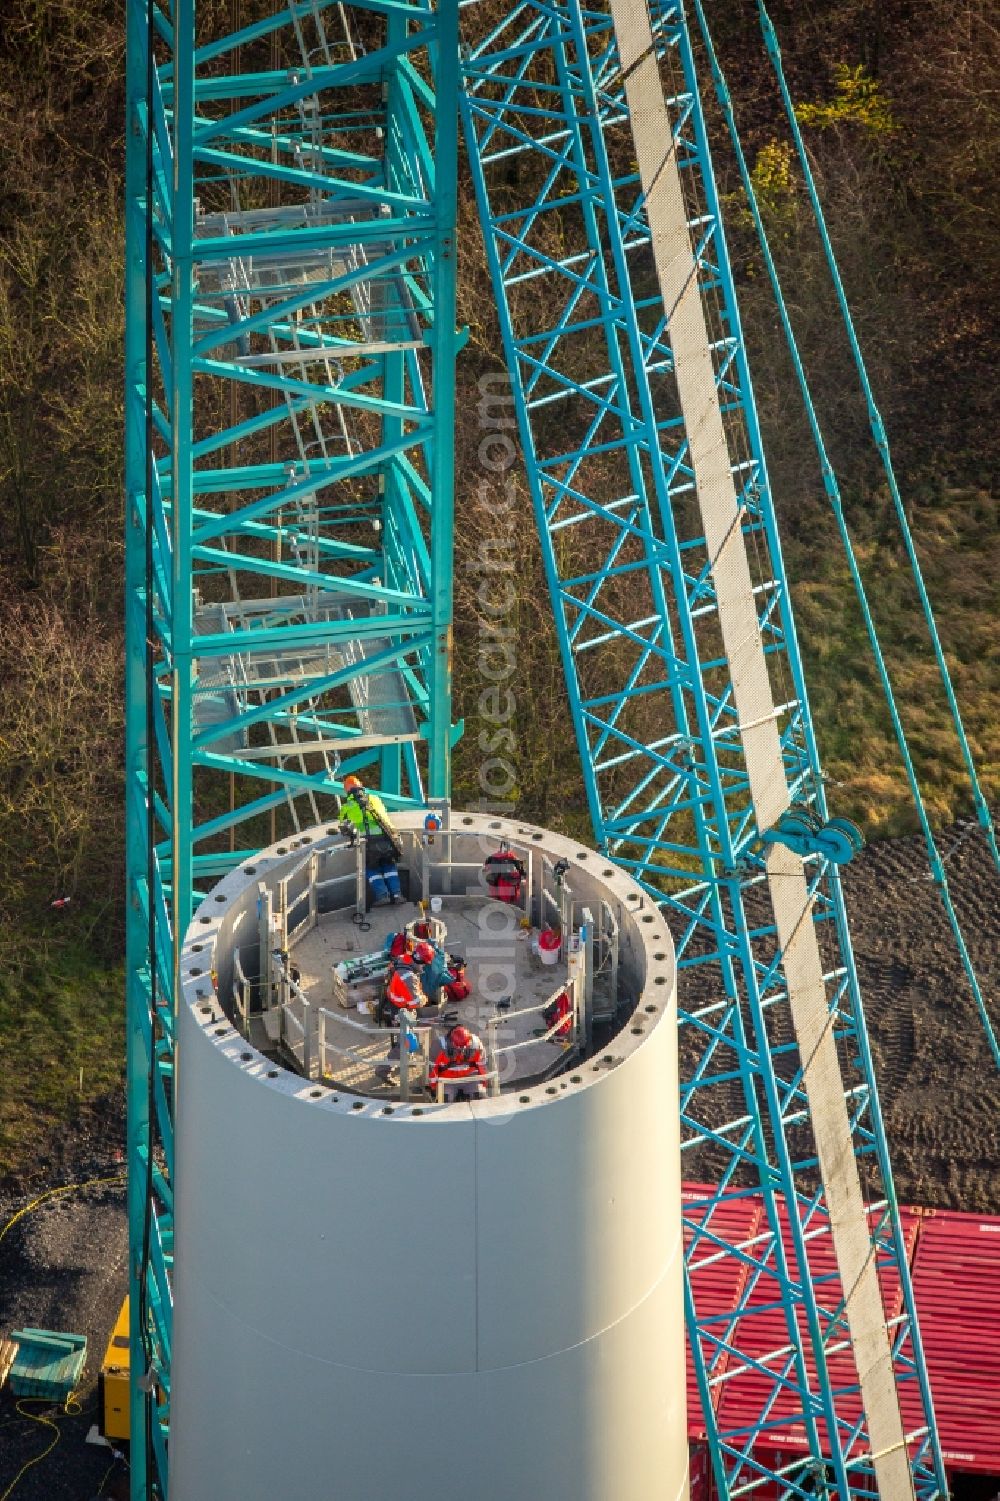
<point x="348" y="1056"/>
<point x="301" y="962"/>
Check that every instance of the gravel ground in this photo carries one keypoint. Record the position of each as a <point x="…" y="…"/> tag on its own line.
<point x="63" y="1266"/>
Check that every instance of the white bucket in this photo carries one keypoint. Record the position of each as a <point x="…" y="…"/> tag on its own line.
<point x="548" y="952"/>
<point x="435" y="904"/>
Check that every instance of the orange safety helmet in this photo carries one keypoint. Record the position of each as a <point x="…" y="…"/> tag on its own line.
<point x="351" y="782"/>
<point x="423" y="953"/>
<point x="461" y="1037"/>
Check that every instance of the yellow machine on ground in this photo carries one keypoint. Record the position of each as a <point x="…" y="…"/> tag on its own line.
<point x="113" y="1381"/>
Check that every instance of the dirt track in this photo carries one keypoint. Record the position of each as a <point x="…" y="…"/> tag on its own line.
<point x="63" y="1265"/>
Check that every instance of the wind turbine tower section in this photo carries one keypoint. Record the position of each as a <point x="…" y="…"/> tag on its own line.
<point x="477" y="1293"/>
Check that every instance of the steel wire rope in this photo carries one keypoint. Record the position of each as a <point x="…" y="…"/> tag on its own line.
<point x="741" y="449"/>
<point x="832" y="488"/>
<point x="737" y="431"/>
<point x="735" y="426"/>
<point x="877" y="429"/>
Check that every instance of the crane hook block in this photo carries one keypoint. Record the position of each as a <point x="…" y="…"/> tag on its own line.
<point x="800" y="830"/>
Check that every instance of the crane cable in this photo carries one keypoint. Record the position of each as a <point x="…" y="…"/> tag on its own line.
<point x="878" y="432"/>
<point x="832" y="488"/>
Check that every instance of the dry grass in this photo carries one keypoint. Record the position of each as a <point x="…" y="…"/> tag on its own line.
<point x="914" y="216"/>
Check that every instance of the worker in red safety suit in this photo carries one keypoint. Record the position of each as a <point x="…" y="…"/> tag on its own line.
<point x="460" y="1067"/>
<point x="442" y="975"/>
<point x="403" y="992"/>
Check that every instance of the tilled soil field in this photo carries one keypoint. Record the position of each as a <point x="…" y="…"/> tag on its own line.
<point x="63" y="1265"/>
<point x="938" y="1086"/>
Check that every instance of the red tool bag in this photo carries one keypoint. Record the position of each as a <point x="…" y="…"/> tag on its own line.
<point x="504" y="874"/>
<point x="561" y="1009"/>
<point x="458" y="989"/>
<point x="456" y="986"/>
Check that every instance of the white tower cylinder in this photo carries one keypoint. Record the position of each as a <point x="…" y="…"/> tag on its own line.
<point x="416" y="1301"/>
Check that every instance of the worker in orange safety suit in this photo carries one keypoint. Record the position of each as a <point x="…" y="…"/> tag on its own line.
<point x="403" y="992"/>
<point x="460" y="1067"/>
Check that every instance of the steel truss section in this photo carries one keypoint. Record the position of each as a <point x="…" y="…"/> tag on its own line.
<point x="588" y="348"/>
<point x="291" y="194"/>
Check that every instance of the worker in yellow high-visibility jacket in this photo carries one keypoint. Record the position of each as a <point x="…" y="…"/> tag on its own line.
<point x="363" y="813"/>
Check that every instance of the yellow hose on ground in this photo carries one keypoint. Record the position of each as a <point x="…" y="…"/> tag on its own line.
<point x="51" y="1193"/>
<point x="72" y="1407"/>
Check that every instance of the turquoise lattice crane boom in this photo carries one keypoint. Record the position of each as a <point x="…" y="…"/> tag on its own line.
<point x="289" y="481"/>
<point x="291" y="345"/>
<point x="675" y="624"/>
